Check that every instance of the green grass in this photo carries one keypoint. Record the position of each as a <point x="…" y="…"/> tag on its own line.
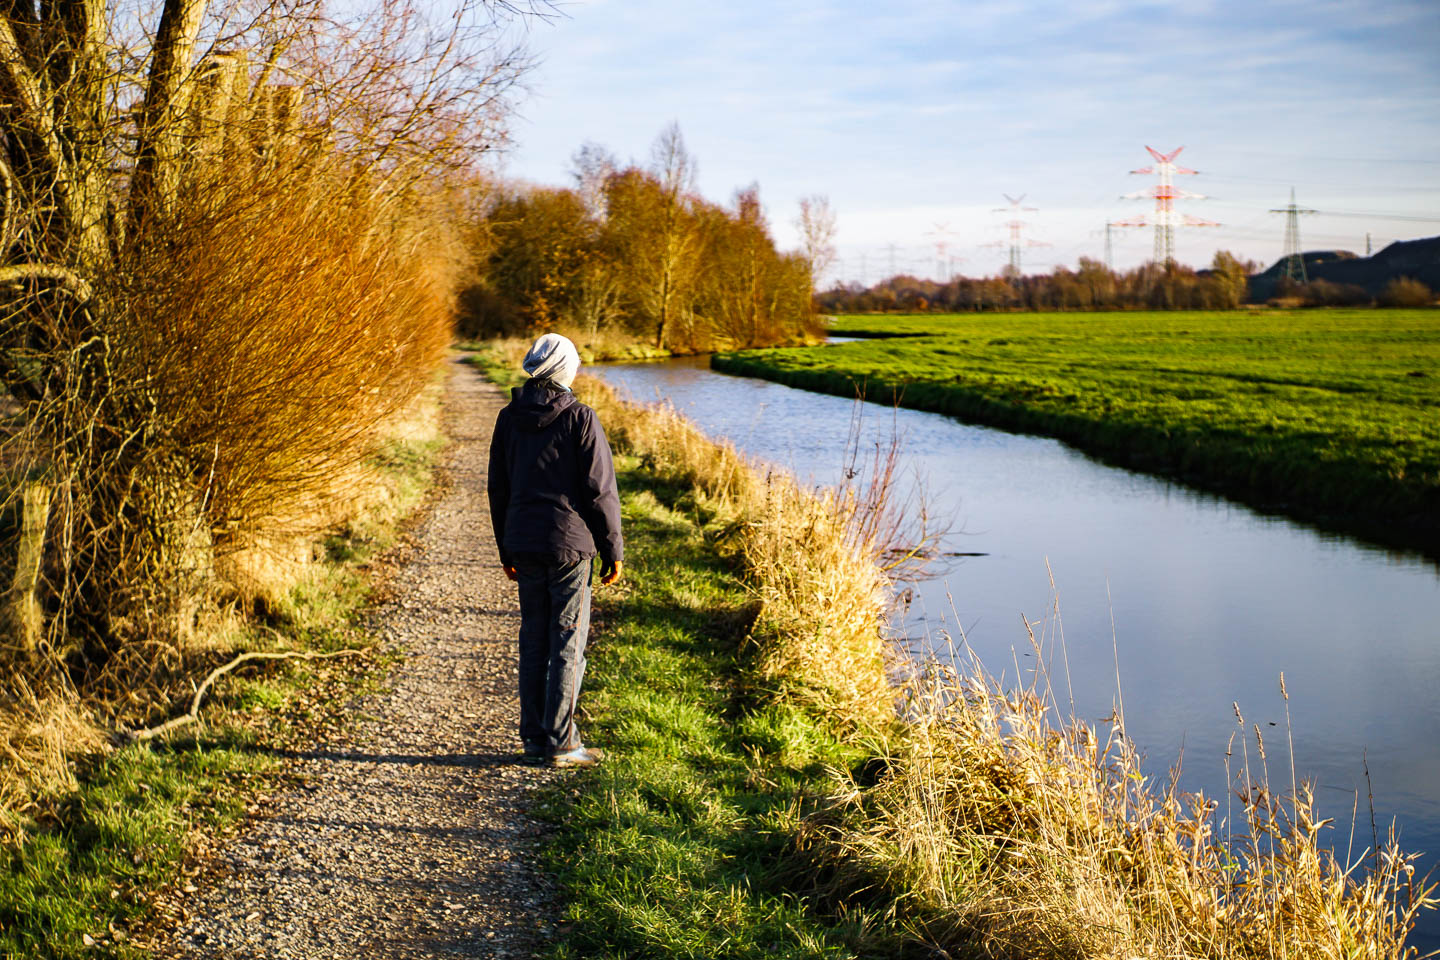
<point x="93" y="860"/>
<point x="1332" y="415"/>
<point x="683" y="843"/>
<point x="122" y="836"/>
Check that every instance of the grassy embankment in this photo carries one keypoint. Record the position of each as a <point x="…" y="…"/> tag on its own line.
<point x="763" y="799"/>
<point x="81" y="878"/>
<point x="1331" y="415"/>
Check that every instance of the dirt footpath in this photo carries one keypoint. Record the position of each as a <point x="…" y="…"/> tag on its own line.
<point x="408" y="839"/>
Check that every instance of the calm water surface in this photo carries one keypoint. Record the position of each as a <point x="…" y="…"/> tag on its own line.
<point x="1209" y="600"/>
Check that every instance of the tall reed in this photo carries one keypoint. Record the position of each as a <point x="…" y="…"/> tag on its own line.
<point x="997" y="825"/>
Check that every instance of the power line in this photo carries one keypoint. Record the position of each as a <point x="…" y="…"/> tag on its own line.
<point x="1378" y="216"/>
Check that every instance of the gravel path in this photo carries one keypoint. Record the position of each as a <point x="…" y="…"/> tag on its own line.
<point x="409" y="837"/>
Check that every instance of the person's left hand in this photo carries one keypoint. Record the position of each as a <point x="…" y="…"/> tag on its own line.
<point x="510" y="572"/>
<point x="610" y="572"/>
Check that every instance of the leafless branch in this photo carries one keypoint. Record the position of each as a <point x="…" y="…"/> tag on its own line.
<point x="175" y="723"/>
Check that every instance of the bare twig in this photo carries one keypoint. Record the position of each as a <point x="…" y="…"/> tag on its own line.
<point x="64" y="276"/>
<point x="193" y="715"/>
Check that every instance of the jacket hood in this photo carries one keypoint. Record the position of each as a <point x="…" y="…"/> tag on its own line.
<point x="537" y="403"/>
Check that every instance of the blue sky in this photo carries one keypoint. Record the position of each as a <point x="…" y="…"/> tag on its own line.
<point x="919" y="112"/>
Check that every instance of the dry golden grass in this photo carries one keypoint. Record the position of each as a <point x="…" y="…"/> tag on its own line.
<point x="38" y="736"/>
<point x="998" y="825"/>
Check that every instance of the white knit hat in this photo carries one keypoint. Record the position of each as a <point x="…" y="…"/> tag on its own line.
<point x="553" y="357"/>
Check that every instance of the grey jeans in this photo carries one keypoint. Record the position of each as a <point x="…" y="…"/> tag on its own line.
<point x="554" y="624"/>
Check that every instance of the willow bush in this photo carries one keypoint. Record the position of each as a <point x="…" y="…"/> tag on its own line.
<point x="262" y="341"/>
<point x="224" y="277"/>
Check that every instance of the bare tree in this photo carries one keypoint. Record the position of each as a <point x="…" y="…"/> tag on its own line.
<point x="816" y="224"/>
<point x="592" y="166"/>
<point x="676" y="236"/>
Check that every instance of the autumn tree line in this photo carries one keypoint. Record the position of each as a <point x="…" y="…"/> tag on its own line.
<point x="633" y="252"/>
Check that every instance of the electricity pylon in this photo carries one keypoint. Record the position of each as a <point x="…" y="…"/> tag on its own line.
<point x="942" y="234"/>
<point x="1016" y="227"/>
<point x="1166" y="193"/>
<point x="1294" y="259"/>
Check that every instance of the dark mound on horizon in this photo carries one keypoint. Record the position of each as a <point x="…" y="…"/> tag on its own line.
<point x="1417" y="259"/>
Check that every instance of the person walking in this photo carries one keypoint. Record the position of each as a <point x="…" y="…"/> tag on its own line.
<point x="554" y="506"/>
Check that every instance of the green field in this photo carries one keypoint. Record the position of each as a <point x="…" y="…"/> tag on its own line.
<point x="1330" y="415"/>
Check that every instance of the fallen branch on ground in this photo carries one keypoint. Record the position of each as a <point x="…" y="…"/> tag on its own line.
<point x="135" y="736"/>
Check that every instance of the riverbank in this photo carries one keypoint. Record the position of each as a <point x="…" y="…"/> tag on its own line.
<point x="89" y="872"/>
<point x="1325" y="415"/>
<point x="989" y="821"/>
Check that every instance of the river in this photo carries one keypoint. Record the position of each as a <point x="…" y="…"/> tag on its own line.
<point x="1209" y="600"/>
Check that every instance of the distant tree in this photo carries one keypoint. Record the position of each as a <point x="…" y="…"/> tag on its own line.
<point x="816" y="224"/>
<point x="657" y="237"/>
<point x="1098" y="281"/>
<point x="543" y="239"/>
<point x="1406" y="292"/>
<point x="655" y="233"/>
<point x="741" y="253"/>
<point x="1323" y="293"/>
<point x="591" y="166"/>
<point x="1231" y="279"/>
<point x="599" y="291"/>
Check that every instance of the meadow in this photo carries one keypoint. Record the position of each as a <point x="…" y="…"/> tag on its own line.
<point x="1330" y="415"/>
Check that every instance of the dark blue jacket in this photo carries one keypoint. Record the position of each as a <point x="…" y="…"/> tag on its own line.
<point x="552" y="482"/>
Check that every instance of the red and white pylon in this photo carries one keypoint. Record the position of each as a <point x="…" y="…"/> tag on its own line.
<point x="1165" y="219"/>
